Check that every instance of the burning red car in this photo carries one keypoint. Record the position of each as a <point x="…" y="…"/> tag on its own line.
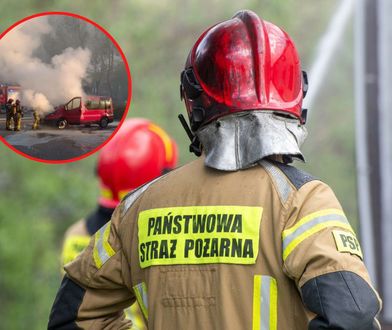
<point x="88" y="110"/>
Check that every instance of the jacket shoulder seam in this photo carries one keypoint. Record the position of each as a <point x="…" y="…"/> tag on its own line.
<point x="297" y="177"/>
<point x="280" y="182"/>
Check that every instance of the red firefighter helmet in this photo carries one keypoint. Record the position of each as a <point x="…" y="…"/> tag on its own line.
<point x="138" y="153"/>
<point x="242" y="64"/>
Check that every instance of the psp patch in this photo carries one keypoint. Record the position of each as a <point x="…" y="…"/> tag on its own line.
<point x="347" y="242"/>
<point x="199" y="235"/>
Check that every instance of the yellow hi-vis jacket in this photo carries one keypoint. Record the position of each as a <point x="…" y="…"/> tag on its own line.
<point x="264" y="248"/>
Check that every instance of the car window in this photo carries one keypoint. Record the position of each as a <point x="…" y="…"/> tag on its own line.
<point x="73" y="104"/>
<point x="76" y="103"/>
<point x="68" y="105"/>
<point x="108" y="104"/>
<point x="92" y="105"/>
<point x="97" y="104"/>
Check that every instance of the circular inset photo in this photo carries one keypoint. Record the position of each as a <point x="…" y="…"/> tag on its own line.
<point x="65" y="87"/>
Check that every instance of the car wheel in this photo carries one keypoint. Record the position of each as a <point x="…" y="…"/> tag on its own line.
<point x="62" y="123"/>
<point x="104" y="122"/>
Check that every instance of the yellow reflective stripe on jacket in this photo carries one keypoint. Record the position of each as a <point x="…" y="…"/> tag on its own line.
<point x="134" y="314"/>
<point x="102" y="249"/>
<point x="141" y="296"/>
<point x="73" y="246"/>
<point x="310" y="225"/>
<point x="265" y="303"/>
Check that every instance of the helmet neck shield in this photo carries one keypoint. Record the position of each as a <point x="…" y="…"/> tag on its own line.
<point x="241" y="140"/>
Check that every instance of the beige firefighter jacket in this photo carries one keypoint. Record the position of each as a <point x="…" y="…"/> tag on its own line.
<point x="76" y="239"/>
<point x="205" y="249"/>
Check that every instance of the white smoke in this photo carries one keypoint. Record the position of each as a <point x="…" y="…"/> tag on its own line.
<point x="36" y="100"/>
<point x="44" y="85"/>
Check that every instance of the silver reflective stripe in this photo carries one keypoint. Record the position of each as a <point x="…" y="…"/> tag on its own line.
<point x="284" y="187"/>
<point x="102" y="253"/>
<point x="142" y="297"/>
<point x="310" y="224"/>
<point x="265" y="303"/>
<point x="133" y="196"/>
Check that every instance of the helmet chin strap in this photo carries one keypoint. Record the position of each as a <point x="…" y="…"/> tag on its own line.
<point x="195" y="145"/>
<point x="305" y="86"/>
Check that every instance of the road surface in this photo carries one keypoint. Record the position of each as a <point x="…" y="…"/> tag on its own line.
<point x="51" y="143"/>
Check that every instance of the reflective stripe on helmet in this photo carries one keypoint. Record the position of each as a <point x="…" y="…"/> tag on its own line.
<point x="265" y="303"/>
<point x="122" y="194"/>
<point x="106" y="193"/>
<point x="311" y="224"/>
<point x="102" y="249"/>
<point x="165" y="139"/>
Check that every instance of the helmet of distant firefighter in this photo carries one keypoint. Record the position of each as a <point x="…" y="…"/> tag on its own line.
<point x="139" y="152"/>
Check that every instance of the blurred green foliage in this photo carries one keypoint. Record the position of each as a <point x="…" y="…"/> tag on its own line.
<point x="39" y="201"/>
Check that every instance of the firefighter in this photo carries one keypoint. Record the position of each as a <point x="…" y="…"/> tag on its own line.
<point x="139" y="152"/>
<point x="238" y="238"/>
<point x="36" y="120"/>
<point x="18" y="116"/>
<point x="10" y="110"/>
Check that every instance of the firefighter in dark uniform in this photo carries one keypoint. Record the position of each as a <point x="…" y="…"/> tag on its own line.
<point x="18" y="116"/>
<point x="138" y="153"/>
<point x="10" y="110"/>
<point x="37" y="119"/>
<point x="237" y="239"/>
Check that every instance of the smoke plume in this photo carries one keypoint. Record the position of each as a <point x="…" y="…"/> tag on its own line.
<point x="44" y="84"/>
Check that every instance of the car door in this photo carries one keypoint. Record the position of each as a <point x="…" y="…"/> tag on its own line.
<point x="91" y="111"/>
<point x="73" y="111"/>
